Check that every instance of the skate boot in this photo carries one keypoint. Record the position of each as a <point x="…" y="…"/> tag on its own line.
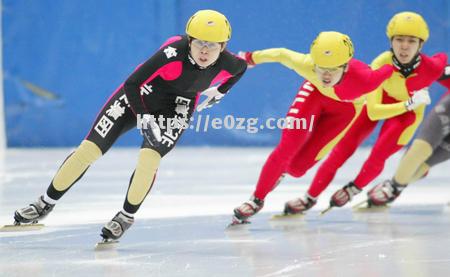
<point x="384" y="193"/>
<point x="344" y="195"/>
<point x="299" y="205"/>
<point x="33" y="212"/>
<point x="247" y="209"/>
<point x="114" y="229"/>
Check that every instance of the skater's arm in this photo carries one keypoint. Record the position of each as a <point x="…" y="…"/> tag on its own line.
<point x="237" y="68"/>
<point x="361" y="79"/>
<point x="378" y="111"/>
<point x="375" y="107"/>
<point x="232" y="70"/>
<point x="291" y="59"/>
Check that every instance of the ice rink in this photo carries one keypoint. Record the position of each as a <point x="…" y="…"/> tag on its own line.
<point x="181" y="228"/>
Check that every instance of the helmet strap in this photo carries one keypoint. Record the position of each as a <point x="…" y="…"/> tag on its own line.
<point x="406" y="69"/>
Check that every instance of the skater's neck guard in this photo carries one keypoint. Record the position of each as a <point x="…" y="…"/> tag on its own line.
<point x="406" y="69"/>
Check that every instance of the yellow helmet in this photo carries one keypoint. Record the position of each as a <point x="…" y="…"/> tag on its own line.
<point x="331" y="49"/>
<point x="407" y="24"/>
<point x="209" y="25"/>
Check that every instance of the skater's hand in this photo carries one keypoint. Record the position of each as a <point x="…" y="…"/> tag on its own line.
<point x="151" y="131"/>
<point x="419" y="98"/>
<point x="213" y="96"/>
<point x="247" y="57"/>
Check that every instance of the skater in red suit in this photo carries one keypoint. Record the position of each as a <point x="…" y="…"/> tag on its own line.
<point x="431" y="147"/>
<point x="400" y="102"/>
<point x="334" y="82"/>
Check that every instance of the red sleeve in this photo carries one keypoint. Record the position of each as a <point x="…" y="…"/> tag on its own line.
<point x="445" y="78"/>
<point x="361" y="79"/>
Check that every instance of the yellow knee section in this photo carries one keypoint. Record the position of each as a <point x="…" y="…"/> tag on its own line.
<point x="141" y="183"/>
<point x="423" y="169"/>
<point x="413" y="161"/>
<point x="87" y="153"/>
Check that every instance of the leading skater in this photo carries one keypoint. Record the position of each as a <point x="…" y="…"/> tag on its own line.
<point x="334" y="79"/>
<point x="167" y="85"/>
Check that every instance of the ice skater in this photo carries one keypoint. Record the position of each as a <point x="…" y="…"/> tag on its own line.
<point x="334" y="80"/>
<point x="400" y="101"/>
<point x="386" y="102"/>
<point x="431" y="147"/>
<point x="166" y="86"/>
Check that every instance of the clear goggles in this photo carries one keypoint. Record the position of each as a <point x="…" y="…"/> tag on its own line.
<point x="210" y="45"/>
<point x="330" y="70"/>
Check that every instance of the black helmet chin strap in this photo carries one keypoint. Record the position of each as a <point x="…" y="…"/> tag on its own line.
<point x="406" y="69"/>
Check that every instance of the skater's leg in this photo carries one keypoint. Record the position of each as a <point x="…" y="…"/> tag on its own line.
<point x="328" y="132"/>
<point x="431" y="147"/>
<point x="144" y="175"/>
<point x="306" y="104"/>
<point x="390" y="140"/>
<point x="103" y="134"/>
<point x="358" y="132"/>
<point x="440" y="155"/>
<point x="336" y="120"/>
<point x="417" y="154"/>
<point x="72" y="170"/>
<point x="431" y="138"/>
<point x="412" y="166"/>
<point x="142" y="179"/>
<point x="421" y="172"/>
<point x="105" y="131"/>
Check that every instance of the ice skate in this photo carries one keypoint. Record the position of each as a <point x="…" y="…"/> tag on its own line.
<point x="379" y="197"/>
<point x="246" y="210"/>
<point x="384" y="193"/>
<point x="296" y="207"/>
<point x="27" y="218"/>
<point x="113" y="230"/>
<point x="342" y="196"/>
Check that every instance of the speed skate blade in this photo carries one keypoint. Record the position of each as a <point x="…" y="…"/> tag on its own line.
<point x="361" y="205"/>
<point x="326" y="210"/>
<point x="21" y="228"/>
<point x="286" y="216"/>
<point x="238" y="224"/>
<point x="365" y="207"/>
<point x="371" y="209"/>
<point x="105" y="245"/>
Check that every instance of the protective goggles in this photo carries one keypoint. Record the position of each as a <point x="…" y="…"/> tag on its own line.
<point x="330" y="70"/>
<point x="210" y="45"/>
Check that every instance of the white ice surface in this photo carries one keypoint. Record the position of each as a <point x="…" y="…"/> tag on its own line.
<point x="180" y="229"/>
